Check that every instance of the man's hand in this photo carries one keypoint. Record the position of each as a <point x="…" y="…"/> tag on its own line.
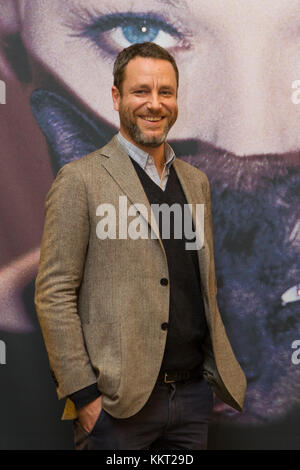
<point x="89" y="414"/>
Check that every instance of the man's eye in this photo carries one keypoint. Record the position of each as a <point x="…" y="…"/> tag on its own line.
<point x="114" y="32"/>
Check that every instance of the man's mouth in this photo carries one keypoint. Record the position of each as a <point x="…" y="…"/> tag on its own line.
<point x="152" y="118"/>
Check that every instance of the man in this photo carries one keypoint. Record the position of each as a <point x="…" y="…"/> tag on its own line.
<point x="242" y="142"/>
<point x="131" y="324"/>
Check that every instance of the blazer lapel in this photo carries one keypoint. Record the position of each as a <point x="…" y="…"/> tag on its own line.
<point x="119" y="166"/>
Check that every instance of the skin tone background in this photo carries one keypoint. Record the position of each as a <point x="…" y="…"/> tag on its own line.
<point x="237" y="62"/>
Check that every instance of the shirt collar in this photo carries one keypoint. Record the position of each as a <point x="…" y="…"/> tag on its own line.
<point x="143" y="158"/>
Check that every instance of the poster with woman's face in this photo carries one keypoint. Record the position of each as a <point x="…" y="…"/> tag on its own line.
<point x="239" y="121"/>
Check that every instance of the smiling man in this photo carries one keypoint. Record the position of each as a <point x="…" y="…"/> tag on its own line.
<point x="132" y="328"/>
<point x="145" y="122"/>
<point x="146" y="101"/>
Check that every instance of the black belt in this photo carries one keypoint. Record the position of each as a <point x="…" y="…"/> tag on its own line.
<point x="179" y="375"/>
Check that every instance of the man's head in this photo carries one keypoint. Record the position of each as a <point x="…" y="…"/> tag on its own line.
<point x="147" y="50"/>
<point x="145" y="94"/>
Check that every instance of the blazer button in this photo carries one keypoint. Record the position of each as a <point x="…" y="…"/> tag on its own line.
<point x="164" y="326"/>
<point x="164" y="281"/>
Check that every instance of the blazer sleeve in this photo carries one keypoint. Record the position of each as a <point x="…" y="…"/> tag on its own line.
<point x="62" y="258"/>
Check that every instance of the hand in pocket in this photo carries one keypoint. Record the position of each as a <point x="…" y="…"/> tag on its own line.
<point x="89" y="414"/>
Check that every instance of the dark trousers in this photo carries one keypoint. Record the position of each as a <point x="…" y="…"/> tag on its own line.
<point x="176" y="416"/>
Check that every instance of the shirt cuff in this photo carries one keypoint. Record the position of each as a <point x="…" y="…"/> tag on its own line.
<point x="85" y="395"/>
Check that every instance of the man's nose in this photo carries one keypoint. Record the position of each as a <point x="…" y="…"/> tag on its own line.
<point x="154" y="102"/>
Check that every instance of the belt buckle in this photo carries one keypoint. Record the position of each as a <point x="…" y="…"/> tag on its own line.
<point x="166" y="379"/>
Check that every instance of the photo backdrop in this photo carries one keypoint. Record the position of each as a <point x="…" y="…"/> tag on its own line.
<point x="239" y="116"/>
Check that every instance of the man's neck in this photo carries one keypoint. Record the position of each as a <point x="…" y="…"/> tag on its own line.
<point x="158" y="153"/>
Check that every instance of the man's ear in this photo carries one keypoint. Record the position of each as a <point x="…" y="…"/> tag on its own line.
<point x="116" y="96"/>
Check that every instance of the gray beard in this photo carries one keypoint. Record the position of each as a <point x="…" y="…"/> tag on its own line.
<point x="140" y="138"/>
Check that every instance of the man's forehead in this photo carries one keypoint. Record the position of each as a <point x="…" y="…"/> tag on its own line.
<point x="148" y="69"/>
<point x="148" y="63"/>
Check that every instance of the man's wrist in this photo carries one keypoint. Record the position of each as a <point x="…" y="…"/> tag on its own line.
<point x="85" y="396"/>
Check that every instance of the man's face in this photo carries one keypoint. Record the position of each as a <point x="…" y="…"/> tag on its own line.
<point x="147" y="104"/>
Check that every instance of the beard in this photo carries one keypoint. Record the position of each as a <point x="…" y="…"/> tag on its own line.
<point x="129" y="122"/>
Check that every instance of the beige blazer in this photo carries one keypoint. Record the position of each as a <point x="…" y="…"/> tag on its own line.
<point x="100" y="303"/>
